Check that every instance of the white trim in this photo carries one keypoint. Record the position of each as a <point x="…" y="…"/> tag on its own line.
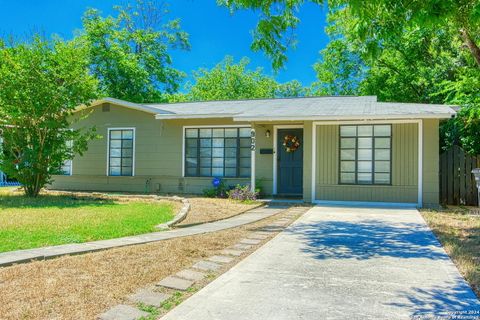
<point x="161" y="116"/>
<point x="275" y="140"/>
<point x="393" y="121"/>
<point x="253" y="135"/>
<point x="206" y="126"/>
<point x="352" y="118"/>
<point x="420" y="164"/>
<point x="366" y="204"/>
<point x="108" y="149"/>
<point x="121" y="103"/>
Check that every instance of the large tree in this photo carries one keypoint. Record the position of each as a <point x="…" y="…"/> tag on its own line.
<point x="41" y="84"/>
<point x="229" y="80"/>
<point x="130" y="53"/>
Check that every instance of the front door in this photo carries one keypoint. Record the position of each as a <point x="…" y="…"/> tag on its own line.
<point x="289" y="162"/>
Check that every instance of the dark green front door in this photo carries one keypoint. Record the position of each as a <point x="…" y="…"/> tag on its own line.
<point x="289" y="164"/>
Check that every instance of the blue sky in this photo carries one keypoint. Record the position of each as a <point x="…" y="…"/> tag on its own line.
<point x="214" y="32"/>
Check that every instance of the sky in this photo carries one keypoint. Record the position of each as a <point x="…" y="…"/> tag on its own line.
<point x="214" y="31"/>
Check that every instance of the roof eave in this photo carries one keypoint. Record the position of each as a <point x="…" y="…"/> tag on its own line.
<point x="193" y="116"/>
<point x="343" y="118"/>
<point x="118" y="102"/>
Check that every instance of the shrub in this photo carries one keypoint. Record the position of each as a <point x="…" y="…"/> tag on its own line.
<point x="219" y="189"/>
<point x="242" y="193"/>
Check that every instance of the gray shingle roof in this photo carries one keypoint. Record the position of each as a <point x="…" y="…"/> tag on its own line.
<point x="308" y="108"/>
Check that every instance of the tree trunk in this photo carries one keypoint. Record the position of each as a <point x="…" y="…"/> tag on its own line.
<point x="472" y="46"/>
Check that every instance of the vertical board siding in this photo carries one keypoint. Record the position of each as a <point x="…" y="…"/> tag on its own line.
<point x="404" y="168"/>
<point x="457" y="183"/>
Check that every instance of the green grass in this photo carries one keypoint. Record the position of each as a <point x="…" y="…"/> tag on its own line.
<point x="58" y="219"/>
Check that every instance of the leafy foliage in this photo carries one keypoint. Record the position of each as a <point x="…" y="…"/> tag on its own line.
<point x="242" y="193"/>
<point x="129" y="53"/>
<point x="42" y="82"/>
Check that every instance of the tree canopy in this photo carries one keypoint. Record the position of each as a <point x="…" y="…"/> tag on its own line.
<point x="130" y="53"/>
<point x="42" y="83"/>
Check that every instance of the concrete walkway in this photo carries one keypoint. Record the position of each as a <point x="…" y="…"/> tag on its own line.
<point x="20" y="256"/>
<point x="340" y="263"/>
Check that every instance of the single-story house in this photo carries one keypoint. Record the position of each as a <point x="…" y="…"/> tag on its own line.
<point x="320" y="149"/>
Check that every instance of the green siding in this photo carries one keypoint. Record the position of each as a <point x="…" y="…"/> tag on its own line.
<point x="431" y="187"/>
<point x="404" y="168"/>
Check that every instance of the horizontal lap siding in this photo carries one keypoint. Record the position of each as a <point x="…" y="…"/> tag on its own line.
<point x="404" y="168"/>
<point x="158" y="155"/>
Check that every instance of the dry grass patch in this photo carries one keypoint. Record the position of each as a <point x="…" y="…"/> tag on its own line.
<point x="210" y="209"/>
<point x="459" y="233"/>
<point x="81" y="287"/>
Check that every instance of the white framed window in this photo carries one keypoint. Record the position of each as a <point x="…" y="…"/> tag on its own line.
<point x="217" y="151"/>
<point x="68" y="164"/>
<point x="121" y="152"/>
<point x="365" y="154"/>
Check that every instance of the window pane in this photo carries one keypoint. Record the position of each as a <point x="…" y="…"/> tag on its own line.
<point x="364" y="166"/>
<point x="231" y="132"/>
<point x="231" y="143"/>
<point x="192" y="152"/>
<point x="205" y="133"/>
<point x="347" y="177"/>
<point x="192" y="162"/>
<point x="364" y="178"/>
<point x="127" y="143"/>
<point x="191" y="133"/>
<point x="364" y="154"/>
<point x="230" y="172"/>
<point x="115" y="143"/>
<point x="245" y="132"/>
<point x="347" y="166"/>
<point x="245" y="142"/>
<point x="382" y="178"/>
<point x="127" y="162"/>
<point x="348" y="154"/>
<point x="126" y="171"/>
<point x="127" y="134"/>
<point x="230" y="152"/>
<point x="347" y="143"/>
<point x="218" y="143"/>
<point x="217" y="172"/>
<point x="382" y="166"/>
<point x="348" y="131"/>
<point x="205" y="143"/>
<point x="217" y="152"/>
<point x="205" y="162"/>
<point x="115" y="162"/>
<point x="230" y="162"/>
<point x="245" y="152"/>
<point x="382" y="154"/>
<point x="383" y="130"/>
<point x="205" y="172"/>
<point x="218" y="133"/>
<point x="205" y="152"/>
<point x="191" y="143"/>
<point x="115" y="134"/>
<point x="127" y="152"/>
<point x="365" y="131"/>
<point x="217" y="162"/>
<point x="191" y="171"/>
<point x="114" y="171"/>
<point x="365" y="143"/>
<point x="382" y="142"/>
<point x="115" y="152"/>
<point x="244" y="172"/>
<point x="245" y="162"/>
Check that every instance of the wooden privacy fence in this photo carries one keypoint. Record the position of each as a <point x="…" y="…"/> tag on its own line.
<point x="457" y="183"/>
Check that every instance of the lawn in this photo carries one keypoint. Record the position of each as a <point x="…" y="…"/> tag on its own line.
<point x="459" y="233"/>
<point x="60" y="219"/>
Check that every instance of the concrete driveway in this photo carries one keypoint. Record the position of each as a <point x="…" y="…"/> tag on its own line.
<point x="340" y="263"/>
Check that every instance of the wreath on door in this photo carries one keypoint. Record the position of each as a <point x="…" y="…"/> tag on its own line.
<point x="291" y="143"/>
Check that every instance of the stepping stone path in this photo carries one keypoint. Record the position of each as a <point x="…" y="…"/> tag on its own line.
<point x="257" y="236"/>
<point x="191" y="275"/>
<point x="175" y="283"/>
<point x="123" y="312"/>
<point x="250" y="241"/>
<point x="206" y="265"/>
<point x="232" y="252"/>
<point x="221" y="259"/>
<point x="241" y="246"/>
<point x="149" y="297"/>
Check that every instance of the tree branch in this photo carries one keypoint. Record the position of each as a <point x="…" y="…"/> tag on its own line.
<point x="472" y="46"/>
